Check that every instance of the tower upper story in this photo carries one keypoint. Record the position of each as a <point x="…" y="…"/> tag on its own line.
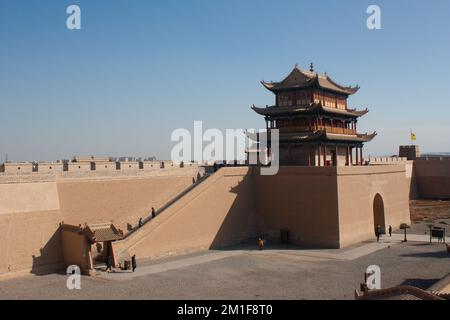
<point x="301" y="88"/>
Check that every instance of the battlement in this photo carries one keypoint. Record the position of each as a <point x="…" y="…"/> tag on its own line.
<point x="386" y="160"/>
<point x="48" y="172"/>
<point x="433" y="159"/>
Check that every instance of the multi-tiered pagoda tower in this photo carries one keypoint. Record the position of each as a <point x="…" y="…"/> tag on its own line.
<point x="316" y="127"/>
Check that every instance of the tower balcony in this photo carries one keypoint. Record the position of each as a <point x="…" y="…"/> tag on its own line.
<point x="327" y="129"/>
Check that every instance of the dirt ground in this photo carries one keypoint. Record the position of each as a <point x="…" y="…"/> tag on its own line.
<point x="429" y="210"/>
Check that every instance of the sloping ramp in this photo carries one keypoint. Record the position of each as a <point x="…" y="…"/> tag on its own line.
<point x="218" y="212"/>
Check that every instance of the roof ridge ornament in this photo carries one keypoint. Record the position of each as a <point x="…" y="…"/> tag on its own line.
<point x="311" y="67"/>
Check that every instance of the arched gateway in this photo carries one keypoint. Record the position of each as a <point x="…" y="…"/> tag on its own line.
<point x="378" y="212"/>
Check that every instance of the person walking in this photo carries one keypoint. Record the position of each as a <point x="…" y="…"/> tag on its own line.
<point x="109" y="263"/>
<point x="153" y="212"/>
<point x="378" y="232"/>
<point x="260" y="244"/>
<point x="133" y="262"/>
<point x="390" y="231"/>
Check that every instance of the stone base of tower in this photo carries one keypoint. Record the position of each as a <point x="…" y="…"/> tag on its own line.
<point x="322" y="207"/>
<point x="331" y="206"/>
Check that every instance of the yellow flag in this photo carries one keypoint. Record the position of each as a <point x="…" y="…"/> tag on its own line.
<point x="413" y="136"/>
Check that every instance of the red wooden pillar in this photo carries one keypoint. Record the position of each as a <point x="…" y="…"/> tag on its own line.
<point x="290" y="153"/>
<point x="357" y="155"/>
<point x="324" y="155"/>
<point x="347" y="156"/>
<point x="319" y="158"/>
<point x="351" y="155"/>
<point x="335" y="155"/>
<point x="309" y="156"/>
<point x="361" y="155"/>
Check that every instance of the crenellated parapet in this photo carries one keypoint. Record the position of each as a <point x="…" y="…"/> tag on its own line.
<point x="39" y="172"/>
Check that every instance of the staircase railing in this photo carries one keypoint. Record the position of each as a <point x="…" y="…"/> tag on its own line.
<point x="167" y="204"/>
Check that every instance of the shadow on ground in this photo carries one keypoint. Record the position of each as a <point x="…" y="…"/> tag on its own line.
<point x="442" y="254"/>
<point x="420" y="283"/>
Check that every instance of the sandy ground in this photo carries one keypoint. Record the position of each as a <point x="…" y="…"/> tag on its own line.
<point x="429" y="210"/>
<point x="268" y="274"/>
<point x="426" y="213"/>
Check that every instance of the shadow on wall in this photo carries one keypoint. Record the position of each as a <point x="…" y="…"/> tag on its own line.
<point x="239" y="224"/>
<point x="50" y="259"/>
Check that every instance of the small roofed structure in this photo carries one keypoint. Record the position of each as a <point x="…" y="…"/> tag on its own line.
<point x="102" y="232"/>
<point x="89" y="245"/>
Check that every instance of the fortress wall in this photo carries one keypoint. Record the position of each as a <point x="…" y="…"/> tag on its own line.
<point x="386" y="160"/>
<point x="218" y="212"/>
<point x="357" y="187"/>
<point x="302" y="200"/>
<point x="411" y="180"/>
<point x="128" y="165"/>
<point x="31" y="212"/>
<point x="105" y="166"/>
<point x="79" y="166"/>
<point x="30" y="241"/>
<point x="101" y="173"/>
<point x="433" y="178"/>
<point x="24" y="167"/>
<point x="321" y="206"/>
<point x="28" y="197"/>
<point x="50" y="167"/>
<point x="120" y="201"/>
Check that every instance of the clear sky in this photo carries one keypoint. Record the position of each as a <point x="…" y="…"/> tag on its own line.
<point x="139" y="69"/>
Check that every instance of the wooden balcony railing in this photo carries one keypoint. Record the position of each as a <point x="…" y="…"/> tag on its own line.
<point x="328" y="129"/>
<point x="337" y="130"/>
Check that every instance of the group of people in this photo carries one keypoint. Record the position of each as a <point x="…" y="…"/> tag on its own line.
<point x="109" y="263"/>
<point x="379" y="232"/>
<point x="153" y="214"/>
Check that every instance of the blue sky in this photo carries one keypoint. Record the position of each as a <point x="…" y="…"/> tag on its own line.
<point x="137" y="70"/>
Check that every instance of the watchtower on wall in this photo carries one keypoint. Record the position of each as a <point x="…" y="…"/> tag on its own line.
<point x="315" y="124"/>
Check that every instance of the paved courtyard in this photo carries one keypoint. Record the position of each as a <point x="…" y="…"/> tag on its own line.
<point x="242" y="273"/>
